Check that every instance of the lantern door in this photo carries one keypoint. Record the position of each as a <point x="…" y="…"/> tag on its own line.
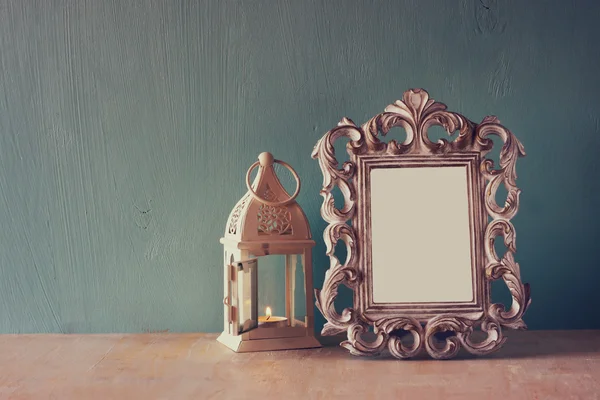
<point x="242" y="296"/>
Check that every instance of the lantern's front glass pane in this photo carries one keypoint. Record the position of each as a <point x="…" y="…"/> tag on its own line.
<point x="271" y="283"/>
<point x="246" y="278"/>
<point x="281" y="289"/>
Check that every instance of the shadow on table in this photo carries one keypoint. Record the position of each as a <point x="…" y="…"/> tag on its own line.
<point x="519" y="344"/>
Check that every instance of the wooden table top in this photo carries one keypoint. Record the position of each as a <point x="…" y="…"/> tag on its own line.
<point x="532" y="365"/>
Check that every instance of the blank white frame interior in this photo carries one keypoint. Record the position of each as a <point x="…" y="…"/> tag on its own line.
<point x="421" y="245"/>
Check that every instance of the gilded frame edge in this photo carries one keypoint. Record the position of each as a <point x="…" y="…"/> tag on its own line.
<point x="361" y="220"/>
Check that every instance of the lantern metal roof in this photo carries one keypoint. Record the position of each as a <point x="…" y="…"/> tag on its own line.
<point x="267" y="219"/>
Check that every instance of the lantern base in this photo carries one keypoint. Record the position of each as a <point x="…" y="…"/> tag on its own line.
<point x="241" y="345"/>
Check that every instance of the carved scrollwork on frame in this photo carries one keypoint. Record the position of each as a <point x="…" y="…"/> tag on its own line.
<point x="416" y="113"/>
<point x="338" y="229"/>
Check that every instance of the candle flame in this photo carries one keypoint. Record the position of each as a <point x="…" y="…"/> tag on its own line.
<point x="268" y="312"/>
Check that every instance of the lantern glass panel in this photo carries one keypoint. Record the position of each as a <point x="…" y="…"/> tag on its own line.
<point x="300" y="291"/>
<point x="246" y="280"/>
<point x="271" y="285"/>
<point x="281" y="287"/>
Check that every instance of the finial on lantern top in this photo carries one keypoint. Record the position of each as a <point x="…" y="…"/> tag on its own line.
<point x="267" y="209"/>
<point x="266" y="176"/>
<point x="266" y="159"/>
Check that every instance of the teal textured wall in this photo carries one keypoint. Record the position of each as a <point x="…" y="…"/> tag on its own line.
<point x="126" y="128"/>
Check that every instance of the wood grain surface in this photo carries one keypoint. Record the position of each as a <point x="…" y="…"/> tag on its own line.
<point x="544" y="365"/>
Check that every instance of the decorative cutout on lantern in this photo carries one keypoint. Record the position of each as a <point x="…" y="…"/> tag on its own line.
<point x="267" y="221"/>
<point x="273" y="220"/>
<point x="235" y="216"/>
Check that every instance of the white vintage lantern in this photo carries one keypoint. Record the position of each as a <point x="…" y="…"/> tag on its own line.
<point x="267" y="222"/>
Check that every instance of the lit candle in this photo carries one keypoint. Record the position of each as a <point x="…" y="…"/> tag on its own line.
<point x="270" y="321"/>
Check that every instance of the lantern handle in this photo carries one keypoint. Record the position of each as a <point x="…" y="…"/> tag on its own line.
<point x="274" y="203"/>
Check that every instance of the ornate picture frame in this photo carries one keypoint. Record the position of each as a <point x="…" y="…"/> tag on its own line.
<point x="393" y="324"/>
